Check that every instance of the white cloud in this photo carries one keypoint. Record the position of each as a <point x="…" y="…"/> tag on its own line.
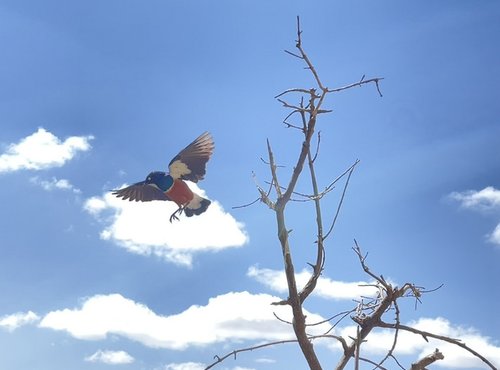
<point x="326" y="288"/>
<point x="144" y="227"/>
<point x="485" y="199"/>
<point x="241" y="316"/>
<point x="185" y="366"/>
<point x="494" y="237"/>
<point x="230" y="317"/>
<point x="95" y="206"/>
<point x="195" y="366"/>
<point x="111" y="357"/>
<point x="14" y="321"/>
<point x="49" y="185"/>
<point x="379" y="341"/>
<point x="265" y="360"/>
<point x="42" y="150"/>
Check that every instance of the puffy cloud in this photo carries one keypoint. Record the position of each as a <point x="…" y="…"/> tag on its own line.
<point x="230" y="317"/>
<point x="49" y="185"/>
<point x="111" y="357"/>
<point x="379" y="341"/>
<point x="487" y="198"/>
<point x="494" y="237"/>
<point x="42" y="150"/>
<point x="483" y="200"/>
<point x="326" y="288"/>
<point x="14" y="321"/>
<point x="242" y="316"/>
<point x="144" y="227"/>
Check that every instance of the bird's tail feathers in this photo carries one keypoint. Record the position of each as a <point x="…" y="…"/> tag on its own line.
<point x="197" y="206"/>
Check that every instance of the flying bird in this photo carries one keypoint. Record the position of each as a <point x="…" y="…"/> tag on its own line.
<point x="188" y="165"/>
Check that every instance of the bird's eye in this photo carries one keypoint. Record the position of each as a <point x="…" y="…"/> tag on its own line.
<point x="149" y="178"/>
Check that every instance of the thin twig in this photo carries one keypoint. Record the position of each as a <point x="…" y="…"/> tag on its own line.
<point x="291" y="125"/>
<point x="246" y="205"/>
<point x="295" y="107"/>
<point x="432" y="290"/>
<point x="343" y="314"/>
<point x="317" y="147"/>
<point x="341" y="201"/>
<point x="365" y="267"/>
<point x="373" y="363"/>
<point x="282" y="320"/>
<point x="331" y="185"/>
<point x="306" y="58"/>
<point x="219" y="359"/>
<point x="362" y="82"/>
<point x="320" y="250"/>
<point x="292" y="54"/>
<point x="397" y="362"/>
<point x="395" y="340"/>
<point x="264" y="196"/>
<point x="303" y="91"/>
<point x="267" y="163"/>
<point x="272" y="165"/>
<point x="358" y="340"/>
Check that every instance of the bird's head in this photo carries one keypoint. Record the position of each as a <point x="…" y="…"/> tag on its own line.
<point x="155" y="177"/>
<point x="160" y="179"/>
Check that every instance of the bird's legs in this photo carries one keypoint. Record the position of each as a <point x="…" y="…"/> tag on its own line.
<point x="178" y="211"/>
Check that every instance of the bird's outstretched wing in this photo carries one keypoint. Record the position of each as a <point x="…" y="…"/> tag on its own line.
<point x="141" y="192"/>
<point x="190" y="163"/>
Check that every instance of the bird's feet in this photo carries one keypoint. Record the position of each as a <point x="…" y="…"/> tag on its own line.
<point x="174" y="215"/>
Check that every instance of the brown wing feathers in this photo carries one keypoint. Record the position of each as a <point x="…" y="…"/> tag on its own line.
<point x="141" y="192"/>
<point x="190" y="163"/>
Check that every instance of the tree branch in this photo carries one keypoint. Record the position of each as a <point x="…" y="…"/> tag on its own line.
<point x="349" y="171"/>
<point x="360" y="83"/>
<point x="443" y="338"/>
<point x="320" y="250"/>
<point x="427" y="360"/>
<point x="246" y="349"/>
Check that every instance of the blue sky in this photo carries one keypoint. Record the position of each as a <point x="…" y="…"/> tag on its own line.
<point x="96" y="94"/>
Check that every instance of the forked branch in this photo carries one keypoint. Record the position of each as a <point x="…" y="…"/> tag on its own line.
<point x="370" y="316"/>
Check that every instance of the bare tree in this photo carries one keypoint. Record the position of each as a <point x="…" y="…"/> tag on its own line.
<point x="369" y="313"/>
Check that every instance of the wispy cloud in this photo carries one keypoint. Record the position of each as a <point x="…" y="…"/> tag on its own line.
<point x="229" y="317"/>
<point x="111" y="357"/>
<point x="265" y="360"/>
<point x="42" y="150"/>
<point x="55" y="184"/>
<point x="326" y="288"/>
<point x="195" y="366"/>
<point x="144" y="227"/>
<point x="487" y="199"/>
<point x="14" y="321"/>
<point x="455" y="357"/>
<point x="185" y="366"/>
